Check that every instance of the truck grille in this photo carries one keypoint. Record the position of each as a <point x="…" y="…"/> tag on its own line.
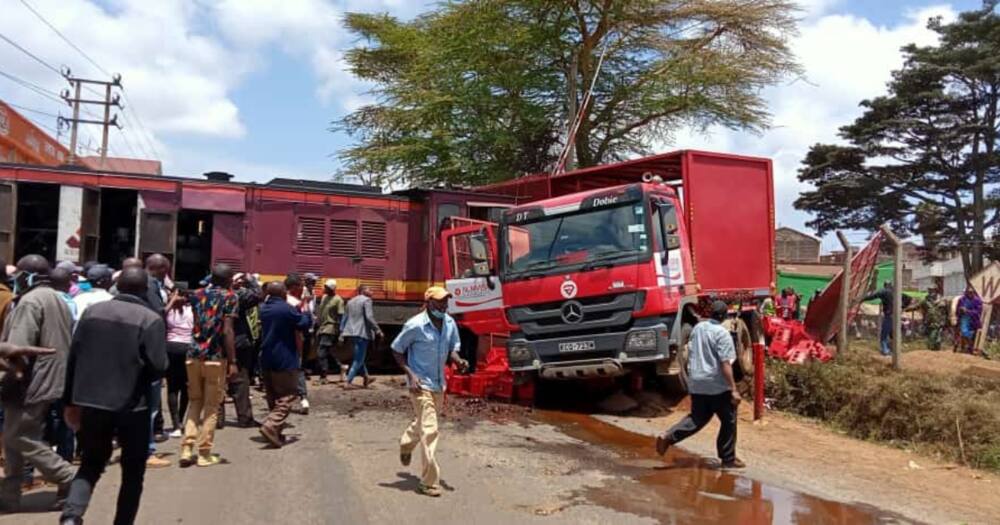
<point x="600" y="314"/>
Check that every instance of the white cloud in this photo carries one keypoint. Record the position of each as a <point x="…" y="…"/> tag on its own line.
<point x="182" y="60"/>
<point x="846" y="60"/>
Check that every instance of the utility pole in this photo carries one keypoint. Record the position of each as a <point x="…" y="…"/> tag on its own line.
<point x="76" y="101"/>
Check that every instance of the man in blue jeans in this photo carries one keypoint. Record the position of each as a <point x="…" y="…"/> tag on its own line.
<point x="885" y="297"/>
<point x="359" y="329"/>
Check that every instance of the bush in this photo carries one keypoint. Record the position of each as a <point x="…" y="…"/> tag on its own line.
<point x="865" y="398"/>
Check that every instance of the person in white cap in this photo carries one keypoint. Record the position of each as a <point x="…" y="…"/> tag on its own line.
<point x="328" y="315"/>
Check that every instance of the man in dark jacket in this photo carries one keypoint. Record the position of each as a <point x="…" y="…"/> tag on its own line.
<point x="119" y="347"/>
<point x="39" y="318"/>
<point x="885" y="334"/>
<point x="279" y="358"/>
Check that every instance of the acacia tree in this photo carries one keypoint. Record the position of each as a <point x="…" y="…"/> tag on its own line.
<point x="484" y="90"/>
<point x="923" y="157"/>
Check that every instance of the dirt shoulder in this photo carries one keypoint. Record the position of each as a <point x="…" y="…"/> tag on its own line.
<point x="793" y="452"/>
<point x="950" y="364"/>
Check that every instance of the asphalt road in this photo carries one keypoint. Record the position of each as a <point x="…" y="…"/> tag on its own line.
<point x="500" y="464"/>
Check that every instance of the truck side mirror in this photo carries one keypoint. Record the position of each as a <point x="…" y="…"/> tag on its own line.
<point x="668" y="227"/>
<point x="480" y="255"/>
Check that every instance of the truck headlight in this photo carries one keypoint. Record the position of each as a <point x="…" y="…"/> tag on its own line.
<point x="644" y="340"/>
<point x="519" y="352"/>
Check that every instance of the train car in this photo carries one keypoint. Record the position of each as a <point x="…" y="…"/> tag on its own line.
<point x="352" y="233"/>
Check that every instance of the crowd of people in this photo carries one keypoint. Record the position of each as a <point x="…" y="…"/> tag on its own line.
<point x="88" y="350"/>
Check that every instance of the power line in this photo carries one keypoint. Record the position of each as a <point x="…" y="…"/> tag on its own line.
<point x="29" y="53"/>
<point x="32" y="110"/>
<point x="34" y="87"/>
<point x="145" y="134"/>
<point x="63" y="37"/>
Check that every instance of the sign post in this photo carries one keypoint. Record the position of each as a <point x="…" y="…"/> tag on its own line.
<point x="987" y="285"/>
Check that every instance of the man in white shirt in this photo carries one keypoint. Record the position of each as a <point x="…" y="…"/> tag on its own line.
<point x="99" y="277"/>
<point x="712" y="388"/>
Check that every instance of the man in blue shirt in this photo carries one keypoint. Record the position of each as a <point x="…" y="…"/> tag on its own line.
<point x="712" y="388"/>
<point x="279" y="358"/>
<point x="422" y="349"/>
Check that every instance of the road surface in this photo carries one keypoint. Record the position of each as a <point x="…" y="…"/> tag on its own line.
<point x="500" y="464"/>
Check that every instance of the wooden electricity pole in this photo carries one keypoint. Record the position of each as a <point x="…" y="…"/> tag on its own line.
<point x="897" y="294"/>
<point x="75" y="101"/>
<point x="843" y="340"/>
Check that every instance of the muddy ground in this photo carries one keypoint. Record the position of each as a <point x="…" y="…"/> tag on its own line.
<point x="509" y="464"/>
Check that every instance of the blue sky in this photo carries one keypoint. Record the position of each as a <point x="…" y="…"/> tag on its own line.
<point x="251" y="86"/>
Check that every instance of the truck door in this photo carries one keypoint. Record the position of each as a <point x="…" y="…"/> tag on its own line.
<point x="470" y="267"/>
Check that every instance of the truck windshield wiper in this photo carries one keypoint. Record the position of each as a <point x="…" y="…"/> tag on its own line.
<point x="533" y="269"/>
<point x="605" y="259"/>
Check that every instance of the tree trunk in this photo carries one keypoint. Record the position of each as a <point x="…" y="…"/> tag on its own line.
<point x="571" y="109"/>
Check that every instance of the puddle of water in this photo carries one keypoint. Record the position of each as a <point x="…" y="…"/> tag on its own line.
<point x="686" y="489"/>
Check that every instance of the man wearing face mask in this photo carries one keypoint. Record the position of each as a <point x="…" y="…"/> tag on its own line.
<point x="422" y="349"/>
<point x="39" y="318"/>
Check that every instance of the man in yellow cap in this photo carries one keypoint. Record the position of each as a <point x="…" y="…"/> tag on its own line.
<point x="422" y="349"/>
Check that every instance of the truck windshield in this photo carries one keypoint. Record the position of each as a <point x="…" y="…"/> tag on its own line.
<point x="582" y="238"/>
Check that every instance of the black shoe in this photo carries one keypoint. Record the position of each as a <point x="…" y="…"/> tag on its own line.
<point x="248" y="424"/>
<point x="160" y="437"/>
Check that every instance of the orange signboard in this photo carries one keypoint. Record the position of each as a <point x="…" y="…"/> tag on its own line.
<point x="25" y="143"/>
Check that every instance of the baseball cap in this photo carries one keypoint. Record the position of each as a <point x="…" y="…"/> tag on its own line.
<point x="98" y="272"/>
<point x="309" y="276"/>
<point x="437" y="293"/>
<point x="719" y="308"/>
<point x="330" y="283"/>
<point x="69" y="267"/>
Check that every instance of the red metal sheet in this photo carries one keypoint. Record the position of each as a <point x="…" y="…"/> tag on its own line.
<point x="822" y="320"/>
<point x="159" y="200"/>
<point x="230" y="200"/>
<point x="730" y="216"/>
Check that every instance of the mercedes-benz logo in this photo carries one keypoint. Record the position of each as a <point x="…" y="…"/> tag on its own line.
<point x="572" y="312"/>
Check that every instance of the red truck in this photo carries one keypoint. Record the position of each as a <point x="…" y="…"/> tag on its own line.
<point x="601" y="271"/>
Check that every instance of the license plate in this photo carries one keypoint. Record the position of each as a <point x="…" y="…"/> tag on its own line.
<point x="577" y="346"/>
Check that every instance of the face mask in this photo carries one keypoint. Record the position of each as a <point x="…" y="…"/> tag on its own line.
<point x="17" y="279"/>
<point x="438" y="314"/>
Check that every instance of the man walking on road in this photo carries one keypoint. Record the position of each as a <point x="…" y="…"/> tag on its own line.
<point x="210" y="361"/>
<point x="423" y="348"/>
<point x="279" y="359"/>
<point x="360" y="328"/>
<point x="119" y="348"/>
<point x="712" y="388"/>
<point x="39" y="318"/>
<point x="328" y="315"/>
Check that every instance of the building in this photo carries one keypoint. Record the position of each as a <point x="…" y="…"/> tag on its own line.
<point x="793" y="246"/>
<point x="23" y="142"/>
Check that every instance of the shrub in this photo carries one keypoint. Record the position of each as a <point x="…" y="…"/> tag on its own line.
<point x="865" y="398"/>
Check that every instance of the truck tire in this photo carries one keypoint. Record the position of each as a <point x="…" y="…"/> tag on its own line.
<point x="743" y="367"/>
<point x="677" y="382"/>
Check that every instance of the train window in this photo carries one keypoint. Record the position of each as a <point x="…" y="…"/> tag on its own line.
<point x="447" y="210"/>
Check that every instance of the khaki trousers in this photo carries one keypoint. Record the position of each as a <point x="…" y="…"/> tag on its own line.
<point x="424" y="431"/>
<point x="206" y="385"/>
<point x="281" y="387"/>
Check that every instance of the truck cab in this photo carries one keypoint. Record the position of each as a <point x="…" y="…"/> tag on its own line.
<point x="604" y="280"/>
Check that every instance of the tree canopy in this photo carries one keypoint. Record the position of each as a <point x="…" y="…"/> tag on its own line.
<point x="924" y="156"/>
<point x="478" y="91"/>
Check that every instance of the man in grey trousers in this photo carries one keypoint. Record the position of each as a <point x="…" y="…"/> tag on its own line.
<point x="40" y="318"/>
